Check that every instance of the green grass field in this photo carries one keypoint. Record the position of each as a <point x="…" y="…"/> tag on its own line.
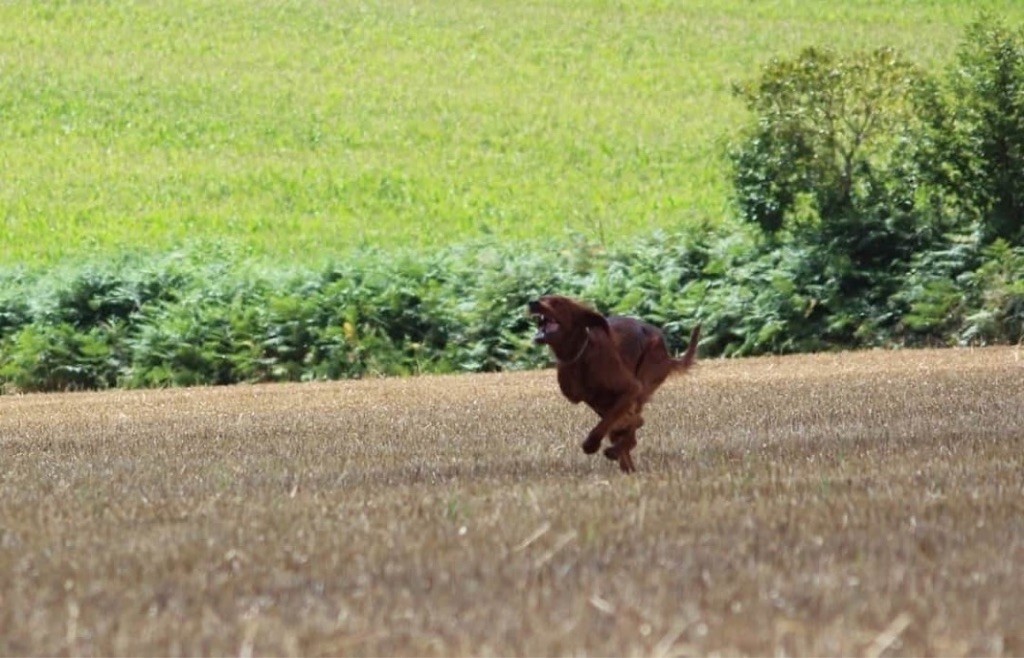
<point x="303" y="130"/>
<point x="861" y="504"/>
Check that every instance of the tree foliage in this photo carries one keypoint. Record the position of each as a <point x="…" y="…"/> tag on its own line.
<point x="827" y="127"/>
<point x="988" y="139"/>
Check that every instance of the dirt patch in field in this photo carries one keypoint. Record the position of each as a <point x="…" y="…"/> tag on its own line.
<point x="868" y="503"/>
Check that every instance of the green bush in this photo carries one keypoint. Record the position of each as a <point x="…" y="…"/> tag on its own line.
<point x="966" y="294"/>
<point x="14" y="308"/>
<point x="61" y="357"/>
<point x="206" y="339"/>
<point x="997" y="287"/>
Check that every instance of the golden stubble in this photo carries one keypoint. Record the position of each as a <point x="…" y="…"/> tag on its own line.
<point x="858" y="503"/>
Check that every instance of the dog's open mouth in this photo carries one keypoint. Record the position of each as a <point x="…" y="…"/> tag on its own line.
<point x="546" y="327"/>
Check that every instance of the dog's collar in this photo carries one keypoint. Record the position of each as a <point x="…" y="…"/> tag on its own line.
<point x="583" y="348"/>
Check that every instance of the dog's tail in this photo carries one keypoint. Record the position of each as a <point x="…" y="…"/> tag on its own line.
<point x="690" y="355"/>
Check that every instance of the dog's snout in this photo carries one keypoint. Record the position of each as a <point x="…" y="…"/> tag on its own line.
<point x="533" y="305"/>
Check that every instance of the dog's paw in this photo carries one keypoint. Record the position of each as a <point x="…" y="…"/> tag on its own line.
<point x="612" y="453"/>
<point x="592" y="443"/>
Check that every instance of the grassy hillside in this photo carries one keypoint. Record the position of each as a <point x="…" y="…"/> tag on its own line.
<point x="850" y="504"/>
<point x="304" y="130"/>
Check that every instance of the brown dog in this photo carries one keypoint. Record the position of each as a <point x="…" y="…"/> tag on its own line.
<point x="614" y="364"/>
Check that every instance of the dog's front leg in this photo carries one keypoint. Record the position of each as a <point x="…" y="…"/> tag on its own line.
<point x="593" y="440"/>
<point x="621" y="439"/>
<point x="626" y="462"/>
<point x="625" y="405"/>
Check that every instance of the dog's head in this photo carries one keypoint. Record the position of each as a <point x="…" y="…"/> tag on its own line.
<point x="563" y="323"/>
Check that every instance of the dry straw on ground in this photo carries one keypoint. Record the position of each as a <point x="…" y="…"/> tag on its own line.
<point x="868" y="504"/>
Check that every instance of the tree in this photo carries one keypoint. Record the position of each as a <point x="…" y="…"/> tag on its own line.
<point x="824" y="125"/>
<point x="829" y="160"/>
<point x="987" y="147"/>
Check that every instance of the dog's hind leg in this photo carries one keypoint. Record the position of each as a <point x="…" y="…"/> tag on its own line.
<point x="623" y="441"/>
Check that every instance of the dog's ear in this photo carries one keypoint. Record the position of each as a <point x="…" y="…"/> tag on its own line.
<point x="594" y="320"/>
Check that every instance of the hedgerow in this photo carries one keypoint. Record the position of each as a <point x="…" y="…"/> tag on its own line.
<point x="191" y="318"/>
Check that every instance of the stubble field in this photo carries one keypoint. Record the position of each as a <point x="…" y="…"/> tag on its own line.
<point x="867" y="504"/>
